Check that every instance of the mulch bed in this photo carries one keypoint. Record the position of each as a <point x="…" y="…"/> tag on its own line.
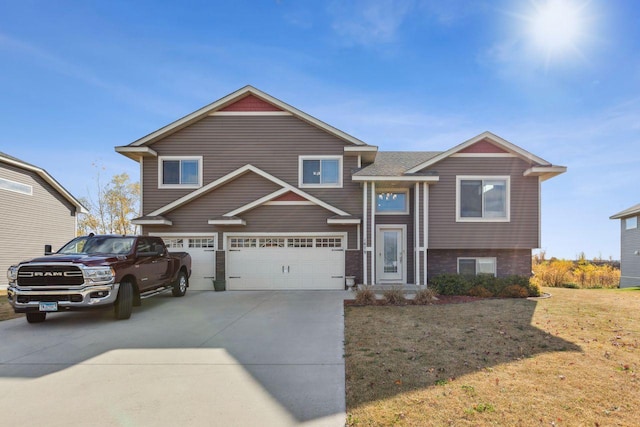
<point x="442" y="299"/>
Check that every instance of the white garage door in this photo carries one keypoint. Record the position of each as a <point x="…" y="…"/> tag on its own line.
<point x="279" y="263"/>
<point x="203" y="259"/>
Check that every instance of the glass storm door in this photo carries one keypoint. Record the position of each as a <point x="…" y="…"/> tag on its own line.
<point x="390" y="254"/>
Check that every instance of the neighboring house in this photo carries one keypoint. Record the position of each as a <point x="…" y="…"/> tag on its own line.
<point x="35" y="210"/>
<point x="265" y="196"/>
<point x="629" y="246"/>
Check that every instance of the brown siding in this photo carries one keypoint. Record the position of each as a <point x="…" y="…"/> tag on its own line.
<point x="271" y="143"/>
<point x="520" y="232"/>
<point x="27" y="223"/>
<point x="508" y="262"/>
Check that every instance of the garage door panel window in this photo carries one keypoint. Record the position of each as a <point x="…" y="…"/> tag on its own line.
<point x="285" y="242"/>
<point x="235" y="243"/>
<point x="174" y="243"/>
<point x="201" y="243"/>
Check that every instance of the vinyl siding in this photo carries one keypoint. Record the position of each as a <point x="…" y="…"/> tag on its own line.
<point x="629" y="261"/>
<point x="271" y="143"/>
<point x="520" y="233"/>
<point x="268" y="219"/>
<point x="27" y="223"/>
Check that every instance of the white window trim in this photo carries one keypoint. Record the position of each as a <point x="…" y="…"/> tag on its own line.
<point x="626" y="223"/>
<point x="300" y="171"/>
<point x="460" y="178"/>
<point x="180" y="186"/>
<point x="477" y="259"/>
<point x="392" y="190"/>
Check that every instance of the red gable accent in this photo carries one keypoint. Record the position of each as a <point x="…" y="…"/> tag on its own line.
<point x="289" y="197"/>
<point x="250" y="103"/>
<point x="483" y="146"/>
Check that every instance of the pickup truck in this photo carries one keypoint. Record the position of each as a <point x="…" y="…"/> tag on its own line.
<point x="97" y="271"/>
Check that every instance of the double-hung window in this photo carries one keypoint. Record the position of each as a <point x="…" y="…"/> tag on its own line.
<point x="320" y="171"/>
<point x="179" y="172"/>
<point x="482" y="199"/>
<point x="475" y="266"/>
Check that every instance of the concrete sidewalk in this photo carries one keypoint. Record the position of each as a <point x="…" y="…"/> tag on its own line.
<point x="210" y="358"/>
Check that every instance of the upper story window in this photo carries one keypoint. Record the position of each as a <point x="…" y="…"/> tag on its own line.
<point x="631" y="223"/>
<point x="320" y="171"/>
<point x="179" y="172"/>
<point x="16" y="187"/>
<point x="475" y="266"/>
<point x="392" y="202"/>
<point x="482" y="198"/>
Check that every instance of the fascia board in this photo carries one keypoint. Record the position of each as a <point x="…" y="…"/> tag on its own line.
<point x="396" y="178"/>
<point x="234" y="174"/>
<point x="50" y="180"/>
<point x="204" y="111"/>
<point x="488" y="135"/>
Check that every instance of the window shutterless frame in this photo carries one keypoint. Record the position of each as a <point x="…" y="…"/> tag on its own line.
<point x="180" y="171"/>
<point x="484" y="213"/>
<point x="480" y="265"/>
<point x="397" y="201"/>
<point x="320" y="171"/>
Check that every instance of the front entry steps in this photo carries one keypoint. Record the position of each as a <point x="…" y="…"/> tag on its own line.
<point x="407" y="288"/>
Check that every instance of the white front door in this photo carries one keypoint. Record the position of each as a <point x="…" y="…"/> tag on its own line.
<point x="391" y="253"/>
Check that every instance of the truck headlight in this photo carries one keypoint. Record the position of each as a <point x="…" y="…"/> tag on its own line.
<point x="12" y="273"/>
<point x="99" y="274"/>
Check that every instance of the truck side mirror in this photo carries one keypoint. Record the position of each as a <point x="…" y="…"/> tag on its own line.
<point x="47" y="250"/>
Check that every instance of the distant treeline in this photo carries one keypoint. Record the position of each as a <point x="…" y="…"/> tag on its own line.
<point x="580" y="273"/>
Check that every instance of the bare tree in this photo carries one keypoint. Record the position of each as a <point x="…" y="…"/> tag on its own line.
<point x="115" y="205"/>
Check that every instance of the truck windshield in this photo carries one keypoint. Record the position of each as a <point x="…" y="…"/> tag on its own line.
<point x="92" y="245"/>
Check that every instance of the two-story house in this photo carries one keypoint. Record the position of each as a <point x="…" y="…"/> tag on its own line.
<point x="629" y="246"/>
<point x="265" y="196"/>
<point x="34" y="210"/>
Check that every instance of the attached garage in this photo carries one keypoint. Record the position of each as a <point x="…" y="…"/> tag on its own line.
<point x="203" y="258"/>
<point x="277" y="262"/>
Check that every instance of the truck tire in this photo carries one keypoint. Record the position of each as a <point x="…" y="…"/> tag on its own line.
<point x="180" y="285"/>
<point x="124" y="301"/>
<point x="36" y="317"/>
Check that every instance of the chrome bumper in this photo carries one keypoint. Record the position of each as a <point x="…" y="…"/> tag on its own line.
<point x="81" y="293"/>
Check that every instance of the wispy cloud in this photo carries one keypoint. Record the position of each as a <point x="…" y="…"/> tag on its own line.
<point x="73" y="70"/>
<point x="369" y="22"/>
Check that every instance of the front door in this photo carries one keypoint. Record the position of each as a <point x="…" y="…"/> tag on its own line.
<point x="391" y="254"/>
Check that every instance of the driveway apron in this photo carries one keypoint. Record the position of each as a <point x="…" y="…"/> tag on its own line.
<point x="208" y="359"/>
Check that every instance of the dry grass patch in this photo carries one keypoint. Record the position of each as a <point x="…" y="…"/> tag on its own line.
<point x="6" y="311"/>
<point x="572" y="359"/>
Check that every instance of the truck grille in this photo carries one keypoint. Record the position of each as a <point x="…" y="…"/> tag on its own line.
<point x="50" y="275"/>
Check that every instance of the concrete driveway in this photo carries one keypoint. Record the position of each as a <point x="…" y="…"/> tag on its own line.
<point x="210" y="358"/>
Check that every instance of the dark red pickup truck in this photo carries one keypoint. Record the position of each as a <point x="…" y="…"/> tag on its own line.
<point x="97" y="271"/>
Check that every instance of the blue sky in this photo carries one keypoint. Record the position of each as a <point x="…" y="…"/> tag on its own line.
<point x="78" y="78"/>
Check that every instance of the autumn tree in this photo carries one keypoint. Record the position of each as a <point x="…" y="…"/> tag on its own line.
<point x="115" y="204"/>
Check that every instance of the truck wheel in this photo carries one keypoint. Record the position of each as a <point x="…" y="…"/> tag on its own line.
<point x="36" y="317"/>
<point x="180" y="285"/>
<point x="124" y="301"/>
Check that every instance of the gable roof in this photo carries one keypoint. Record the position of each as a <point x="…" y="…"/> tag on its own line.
<point x="10" y="160"/>
<point x="235" y="174"/>
<point x="495" y="139"/>
<point x="633" y="210"/>
<point x="137" y="148"/>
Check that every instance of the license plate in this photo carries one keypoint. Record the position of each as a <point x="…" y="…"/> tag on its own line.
<point x="48" y="306"/>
